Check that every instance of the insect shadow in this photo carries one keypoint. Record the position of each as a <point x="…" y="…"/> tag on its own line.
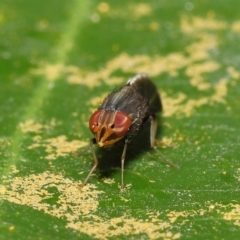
<point x="109" y="158"/>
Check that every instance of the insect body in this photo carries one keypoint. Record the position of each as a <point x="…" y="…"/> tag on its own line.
<point x="122" y="115"/>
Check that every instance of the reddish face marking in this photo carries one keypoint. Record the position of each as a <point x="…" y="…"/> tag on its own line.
<point x="108" y="126"/>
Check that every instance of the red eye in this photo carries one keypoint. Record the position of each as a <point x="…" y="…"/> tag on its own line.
<point x="122" y="123"/>
<point x="93" y="121"/>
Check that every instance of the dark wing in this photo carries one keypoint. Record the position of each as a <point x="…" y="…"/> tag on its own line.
<point x="122" y="99"/>
<point x="145" y="87"/>
<point x="139" y="98"/>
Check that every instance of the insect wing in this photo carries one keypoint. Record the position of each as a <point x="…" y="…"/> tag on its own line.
<point x="126" y="100"/>
<point x="143" y="85"/>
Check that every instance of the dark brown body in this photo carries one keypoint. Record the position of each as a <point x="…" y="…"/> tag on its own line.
<point x="138" y="99"/>
<point x="123" y="113"/>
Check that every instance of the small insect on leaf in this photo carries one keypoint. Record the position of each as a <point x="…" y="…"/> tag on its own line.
<point x="122" y="115"/>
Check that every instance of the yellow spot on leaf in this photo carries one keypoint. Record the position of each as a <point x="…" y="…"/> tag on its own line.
<point x="196" y="71"/>
<point x="58" y="146"/>
<point x="103" y="7"/>
<point x="197" y="24"/>
<point x="140" y="10"/>
<point x="78" y="206"/>
<point x="31" y="126"/>
<point x="235" y="74"/>
<point x="220" y="91"/>
<point x="34" y="126"/>
<point x="11" y="228"/>
<point x="109" y="181"/>
<point x="236" y="26"/>
<point x="154" y="26"/>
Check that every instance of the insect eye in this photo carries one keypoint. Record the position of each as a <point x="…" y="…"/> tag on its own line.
<point x="121" y="124"/>
<point x="93" y="121"/>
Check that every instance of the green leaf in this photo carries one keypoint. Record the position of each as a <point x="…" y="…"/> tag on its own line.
<point x="59" y="60"/>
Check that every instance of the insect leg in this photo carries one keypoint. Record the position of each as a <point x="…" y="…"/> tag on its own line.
<point x="92" y="142"/>
<point x="122" y="162"/>
<point x="153" y="131"/>
<point x="83" y="151"/>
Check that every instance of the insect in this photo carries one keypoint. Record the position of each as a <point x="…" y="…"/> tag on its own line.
<point x="122" y="115"/>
